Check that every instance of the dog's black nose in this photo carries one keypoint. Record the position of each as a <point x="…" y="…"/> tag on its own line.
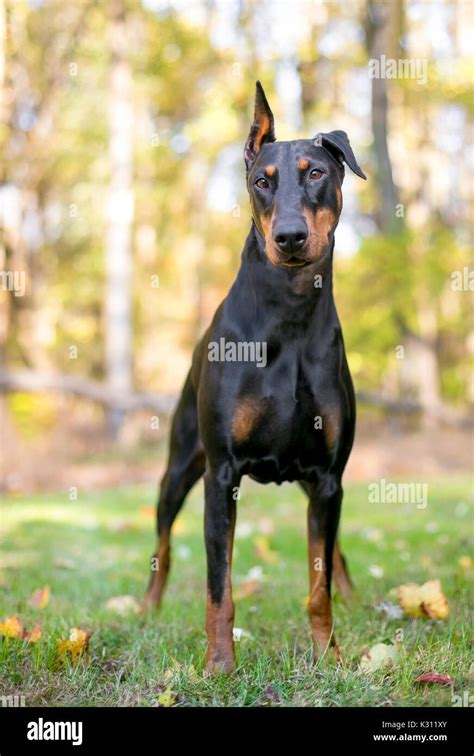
<point x="291" y="239"/>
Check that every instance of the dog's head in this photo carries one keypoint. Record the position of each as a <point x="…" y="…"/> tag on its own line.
<point x="295" y="188"/>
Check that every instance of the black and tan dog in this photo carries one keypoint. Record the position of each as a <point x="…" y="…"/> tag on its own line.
<point x="269" y="393"/>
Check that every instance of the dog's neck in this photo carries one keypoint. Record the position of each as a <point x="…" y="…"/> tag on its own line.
<point x="291" y="294"/>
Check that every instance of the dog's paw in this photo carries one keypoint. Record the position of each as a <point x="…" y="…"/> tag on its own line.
<point x="219" y="665"/>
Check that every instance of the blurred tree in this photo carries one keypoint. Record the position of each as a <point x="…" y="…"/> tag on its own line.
<point x="186" y="79"/>
<point x="118" y="247"/>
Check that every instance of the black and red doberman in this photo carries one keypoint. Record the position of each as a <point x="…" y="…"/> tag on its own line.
<point x="269" y="393"/>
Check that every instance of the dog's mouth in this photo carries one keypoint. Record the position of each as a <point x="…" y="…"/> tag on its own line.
<point x="294" y="262"/>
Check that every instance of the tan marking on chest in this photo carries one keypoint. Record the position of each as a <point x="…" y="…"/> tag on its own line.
<point x="331" y="427"/>
<point x="247" y="414"/>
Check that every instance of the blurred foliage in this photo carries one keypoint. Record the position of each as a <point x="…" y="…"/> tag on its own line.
<point x="194" y="67"/>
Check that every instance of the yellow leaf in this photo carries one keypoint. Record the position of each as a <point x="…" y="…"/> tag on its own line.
<point x="167" y="698"/>
<point x="192" y="674"/>
<point x="177" y="668"/>
<point x="380" y="656"/>
<point x="263" y="550"/>
<point x="466" y="562"/>
<point x="35" y="634"/>
<point x="40" y="598"/>
<point x="425" y="600"/>
<point x="173" y="670"/>
<point x="12" y="628"/>
<point x="409" y="598"/>
<point x="75" y="646"/>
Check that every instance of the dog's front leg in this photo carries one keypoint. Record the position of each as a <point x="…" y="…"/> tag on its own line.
<point x="219" y="523"/>
<point x="324" y="508"/>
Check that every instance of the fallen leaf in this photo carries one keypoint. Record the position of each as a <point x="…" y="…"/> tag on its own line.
<point x="380" y="656"/>
<point x="177" y="668"/>
<point x="167" y="698"/>
<point x="40" y="598"/>
<point x="263" y="550"/>
<point x="75" y="646"/>
<point x="432" y="677"/>
<point x="246" y="589"/>
<point x="12" y="628"/>
<point x="425" y="600"/>
<point x="466" y="562"/>
<point x="123" y="605"/>
<point x="192" y="674"/>
<point x="35" y="634"/>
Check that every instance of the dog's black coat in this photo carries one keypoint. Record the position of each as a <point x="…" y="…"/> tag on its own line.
<point x="292" y="420"/>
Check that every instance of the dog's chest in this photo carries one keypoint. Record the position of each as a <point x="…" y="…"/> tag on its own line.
<point x="285" y="423"/>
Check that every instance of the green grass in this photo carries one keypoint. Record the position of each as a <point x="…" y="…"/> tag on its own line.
<point x="99" y="546"/>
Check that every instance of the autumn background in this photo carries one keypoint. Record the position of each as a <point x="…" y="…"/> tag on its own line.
<point x="123" y="204"/>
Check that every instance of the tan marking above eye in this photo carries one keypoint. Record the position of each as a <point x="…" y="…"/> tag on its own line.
<point x="270" y="170"/>
<point x="303" y="164"/>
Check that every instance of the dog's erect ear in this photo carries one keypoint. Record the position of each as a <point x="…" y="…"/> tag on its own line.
<point x="337" y="143"/>
<point x="262" y="127"/>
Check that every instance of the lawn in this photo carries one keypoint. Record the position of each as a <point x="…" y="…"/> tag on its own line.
<point x="98" y="546"/>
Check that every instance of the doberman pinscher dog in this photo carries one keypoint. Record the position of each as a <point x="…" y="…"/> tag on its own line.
<point x="269" y="393"/>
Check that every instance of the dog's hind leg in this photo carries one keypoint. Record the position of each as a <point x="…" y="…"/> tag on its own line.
<point x="186" y="465"/>
<point x="340" y="573"/>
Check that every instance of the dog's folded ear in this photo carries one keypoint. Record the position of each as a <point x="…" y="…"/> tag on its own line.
<point x="337" y="143"/>
<point x="261" y="130"/>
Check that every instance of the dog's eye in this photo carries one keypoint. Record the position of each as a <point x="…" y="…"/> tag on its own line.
<point x="316" y="174"/>
<point x="261" y="183"/>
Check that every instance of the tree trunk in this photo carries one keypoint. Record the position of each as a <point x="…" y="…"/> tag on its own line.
<point x="382" y="19"/>
<point x="118" y="253"/>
